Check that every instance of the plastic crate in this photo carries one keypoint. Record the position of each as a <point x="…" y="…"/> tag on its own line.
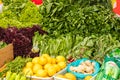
<point x="80" y="75"/>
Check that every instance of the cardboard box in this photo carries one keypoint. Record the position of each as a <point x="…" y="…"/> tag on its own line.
<point x="6" y="54"/>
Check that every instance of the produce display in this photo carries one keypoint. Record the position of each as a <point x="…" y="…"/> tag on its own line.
<point x="48" y="36"/>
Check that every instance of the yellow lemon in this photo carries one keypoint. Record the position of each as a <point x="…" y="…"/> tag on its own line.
<point x="46" y="66"/>
<point x="53" y="61"/>
<point x="0" y="2"/>
<point x="62" y="64"/>
<point x="51" y="71"/>
<point x="57" y="67"/>
<point x="36" y="60"/>
<point x="49" y="60"/>
<point x="43" y="61"/>
<point x="45" y="55"/>
<point x="70" y="76"/>
<point x="60" y="76"/>
<point x="36" y="67"/>
<point x="29" y="65"/>
<point x="41" y="73"/>
<point x="27" y="71"/>
<point x="87" y="77"/>
<point x="60" y="59"/>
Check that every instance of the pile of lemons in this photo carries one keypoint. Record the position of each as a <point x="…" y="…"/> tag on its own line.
<point x="44" y="66"/>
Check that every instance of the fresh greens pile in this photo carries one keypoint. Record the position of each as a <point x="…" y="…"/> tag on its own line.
<point x="84" y="17"/>
<point x="16" y="65"/>
<point x="95" y="47"/>
<point x="76" y="46"/>
<point x="52" y="46"/>
<point x="19" y="13"/>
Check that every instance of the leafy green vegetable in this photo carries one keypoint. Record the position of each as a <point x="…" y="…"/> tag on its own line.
<point x="30" y="13"/>
<point x="91" y="47"/>
<point x="19" y="13"/>
<point x="16" y="65"/>
<point x="36" y="38"/>
<point x="90" y="17"/>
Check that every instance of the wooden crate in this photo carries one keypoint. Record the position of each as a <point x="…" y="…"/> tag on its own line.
<point x="6" y="54"/>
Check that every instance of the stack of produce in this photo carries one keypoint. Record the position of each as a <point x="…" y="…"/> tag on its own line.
<point x="44" y="66"/>
<point x="75" y="29"/>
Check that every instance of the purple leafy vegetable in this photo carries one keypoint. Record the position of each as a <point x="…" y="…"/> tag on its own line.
<point x="21" y="39"/>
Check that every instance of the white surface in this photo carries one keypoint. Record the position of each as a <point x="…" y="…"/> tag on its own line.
<point x="38" y="78"/>
<point x="2" y="79"/>
<point x="60" y="72"/>
<point x="1" y="6"/>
